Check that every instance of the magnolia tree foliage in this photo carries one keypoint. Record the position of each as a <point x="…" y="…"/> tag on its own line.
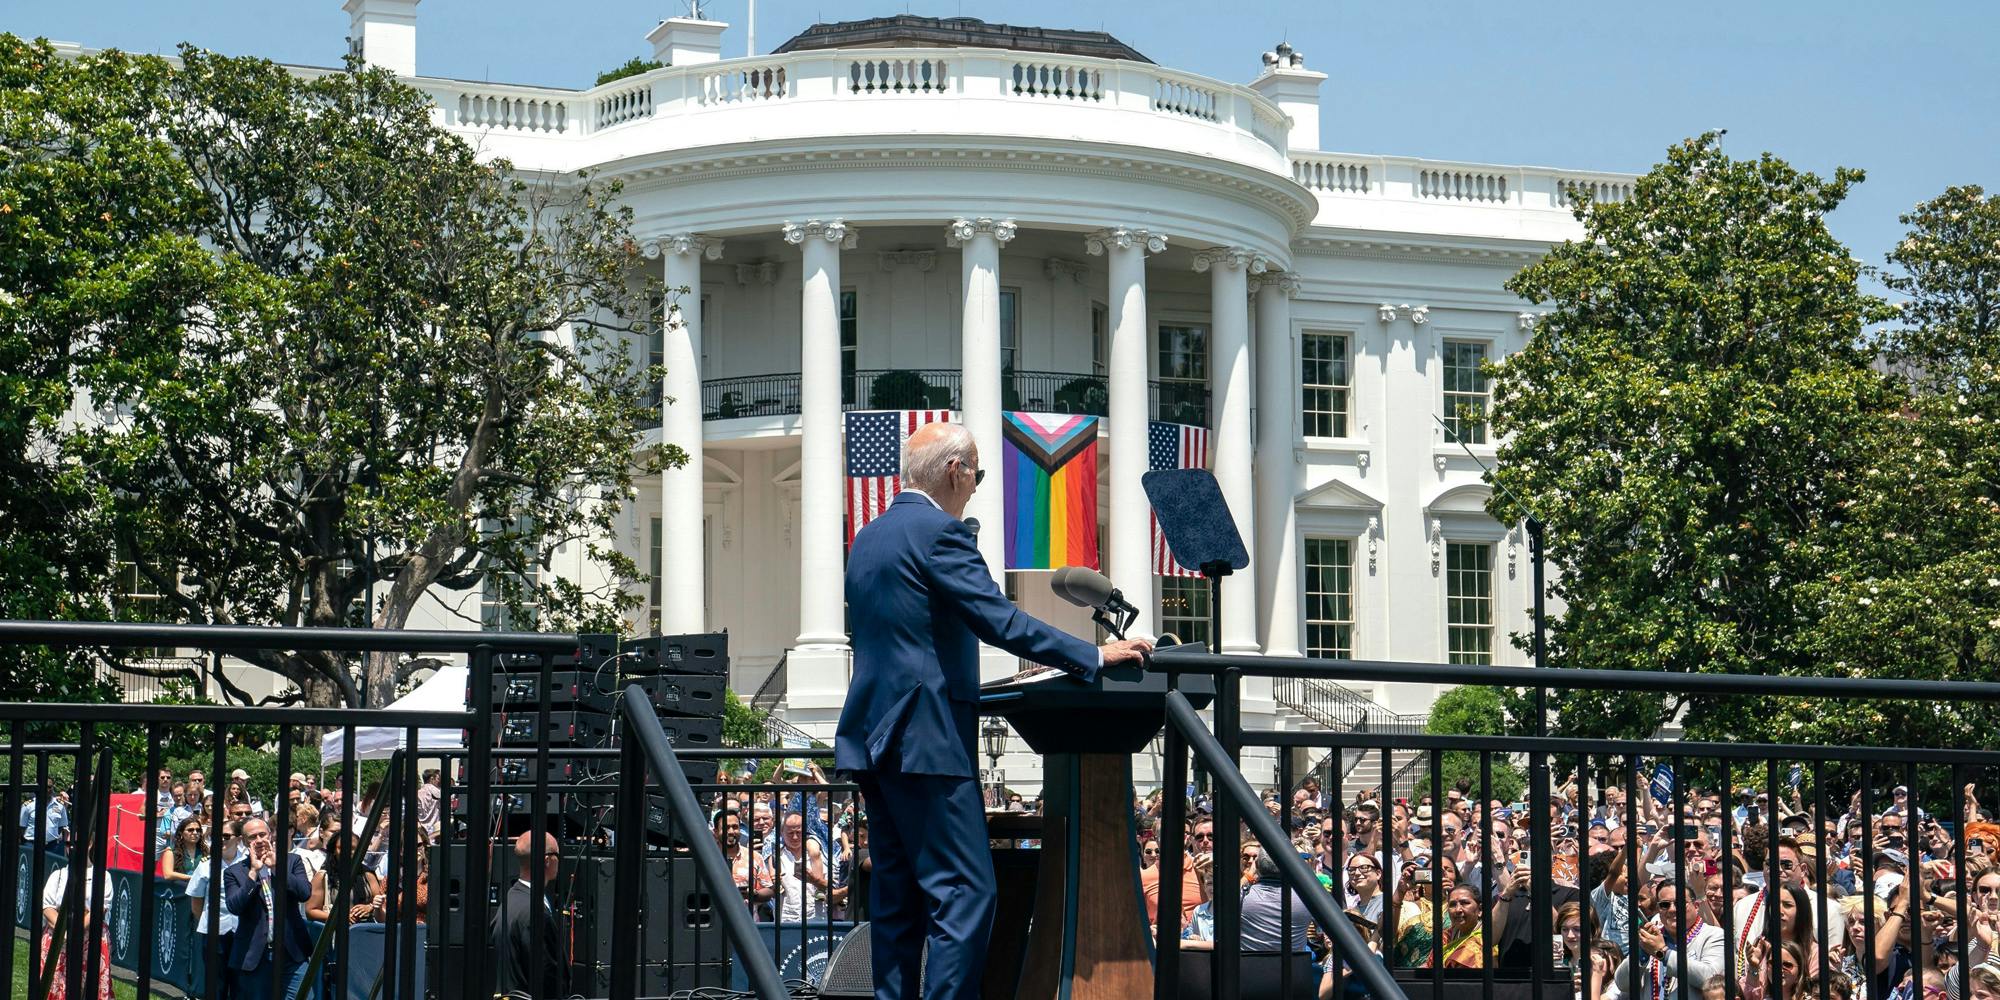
<point x="1694" y="417"/>
<point x="96" y="262"/>
<point x="405" y="368"/>
<point x="1916" y="592"/>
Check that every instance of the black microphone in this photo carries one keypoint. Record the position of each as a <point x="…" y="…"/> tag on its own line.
<point x="1087" y="588"/>
<point x="973" y="523"/>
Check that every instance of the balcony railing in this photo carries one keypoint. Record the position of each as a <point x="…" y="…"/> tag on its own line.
<point x="938" y="389"/>
<point x="907" y="81"/>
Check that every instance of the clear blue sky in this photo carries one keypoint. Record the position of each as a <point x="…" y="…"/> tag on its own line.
<point x="1908" y="90"/>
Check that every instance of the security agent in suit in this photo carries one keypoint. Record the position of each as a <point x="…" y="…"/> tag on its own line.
<point x="249" y="894"/>
<point x="516" y="950"/>
<point x="920" y="601"/>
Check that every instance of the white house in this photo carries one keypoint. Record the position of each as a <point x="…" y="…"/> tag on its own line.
<point x="1042" y="219"/>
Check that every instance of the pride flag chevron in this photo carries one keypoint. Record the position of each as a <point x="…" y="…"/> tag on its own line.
<point x="1051" y="480"/>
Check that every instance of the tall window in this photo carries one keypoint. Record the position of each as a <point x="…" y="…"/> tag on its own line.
<point x="1465" y="395"/>
<point x="1183" y="374"/>
<point x="653" y="588"/>
<point x="1323" y="371"/>
<point x="494" y="612"/>
<point x="1468" y="583"/>
<point x="1184" y="608"/>
<point x="1100" y="326"/>
<point x="850" y="344"/>
<point x="1010" y="328"/>
<point x="656" y="343"/>
<point x="1330" y="598"/>
<point x="137" y="599"/>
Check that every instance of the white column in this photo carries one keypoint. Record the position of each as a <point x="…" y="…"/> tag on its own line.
<point x="1276" y="557"/>
<point x="683" y="570"/>
<point x="1130" y="565"/>
<point x="1229" y="271"/>
<point x="979" y="399"/>
<point x="821" y="489"/>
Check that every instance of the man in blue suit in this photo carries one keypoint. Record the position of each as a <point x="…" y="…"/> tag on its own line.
<point x="920" y="601"/>
<point x="247" y="890"/>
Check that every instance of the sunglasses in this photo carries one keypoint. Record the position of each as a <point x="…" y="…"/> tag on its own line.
<point x="1203" y="836"/>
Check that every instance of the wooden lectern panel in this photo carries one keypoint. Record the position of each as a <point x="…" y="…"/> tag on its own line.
<point x="1089" y="940"/>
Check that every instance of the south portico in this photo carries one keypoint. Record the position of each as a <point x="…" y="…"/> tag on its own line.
<point x="1098" y="275"/>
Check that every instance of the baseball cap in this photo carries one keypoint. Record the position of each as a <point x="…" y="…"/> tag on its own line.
<point x="1894" y="857"/>
<point x="240" y="773"/>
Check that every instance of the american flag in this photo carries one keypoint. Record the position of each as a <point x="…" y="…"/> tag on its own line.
<point x="875" y="459"/>
<point x="1173" y="446"/>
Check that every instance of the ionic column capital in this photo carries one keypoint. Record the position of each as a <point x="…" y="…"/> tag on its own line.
<point x="1124" y="238"/>
<point x="684" y="244"/>
<point x="1285" y="282"/>
<point x="961" y="231"/>
<point x="834" y="231"/>
<point x="1235" y="258"/>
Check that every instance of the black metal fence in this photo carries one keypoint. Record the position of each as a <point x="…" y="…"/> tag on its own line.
<point x="390" y="883"/>
<point x="1620" y="867"/>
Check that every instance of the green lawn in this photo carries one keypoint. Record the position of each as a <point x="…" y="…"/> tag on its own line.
<point x="119" y="987"/>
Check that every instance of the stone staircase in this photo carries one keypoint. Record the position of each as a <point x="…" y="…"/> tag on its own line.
<point x="1306" y="705"/>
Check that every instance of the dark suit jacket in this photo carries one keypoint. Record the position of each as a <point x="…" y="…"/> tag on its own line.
<point x="920" y="601"/>
<point x="244" y="898"/>
<point x="515" y="950"/>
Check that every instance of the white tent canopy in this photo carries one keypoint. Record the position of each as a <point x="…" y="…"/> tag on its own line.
<point x="443" y="691"/>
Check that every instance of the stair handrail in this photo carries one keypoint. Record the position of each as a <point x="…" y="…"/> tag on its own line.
<point x="1229" y="781"/>
<point x="646" y="749"/>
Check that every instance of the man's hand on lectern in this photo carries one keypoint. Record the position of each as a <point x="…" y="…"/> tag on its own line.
<point x="1125" y="651"/>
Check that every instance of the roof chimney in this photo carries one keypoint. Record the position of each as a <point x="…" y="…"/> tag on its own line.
<point x="1295" y="89"/>
<point x="684" y="41"/>
<point x="384" y="33"/>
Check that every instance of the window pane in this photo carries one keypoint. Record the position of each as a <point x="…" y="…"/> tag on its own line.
<point x="1469" y="602"/>
<point x="1184" y="608"/>
<point x="1330" y="598"/>
<point x="1010" y="327"/>
<point x="1465" y="394"/>
<point x="1323" y="375"/>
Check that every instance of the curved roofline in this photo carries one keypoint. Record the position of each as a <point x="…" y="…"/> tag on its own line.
<point x="913" y="30"/>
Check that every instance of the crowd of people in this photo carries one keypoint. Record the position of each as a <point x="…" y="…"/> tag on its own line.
<point x="1865" y="906"/>
<point x="238" y="909"/>
<point x="1449" y="883"/>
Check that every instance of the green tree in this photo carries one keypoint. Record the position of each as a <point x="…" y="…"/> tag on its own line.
<point x="1692" y="415"/>
<point x="97" y="262"/>
<point x="1471" y="711"/>
<point x="1916" y="588"/>
<point x="412" y="374"/>
<point x="631" y="67"/>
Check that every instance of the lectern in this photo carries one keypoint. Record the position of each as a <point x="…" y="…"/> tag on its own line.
<point x="1089" y="939"/>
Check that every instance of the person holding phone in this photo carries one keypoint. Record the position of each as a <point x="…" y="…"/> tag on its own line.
<point x="264" y="935"/>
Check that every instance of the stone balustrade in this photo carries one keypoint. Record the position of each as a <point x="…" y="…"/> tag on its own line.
<point x="848" y="74"/>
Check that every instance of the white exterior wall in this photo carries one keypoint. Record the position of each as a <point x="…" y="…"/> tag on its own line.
<point x="1395" y="253"/>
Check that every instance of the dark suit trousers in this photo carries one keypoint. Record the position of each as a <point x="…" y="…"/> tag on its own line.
<point x="933" y="879"/>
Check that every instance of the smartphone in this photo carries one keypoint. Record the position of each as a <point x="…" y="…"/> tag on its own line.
<point x="1646" y="829"/>
<point x="1421" y="876"/>
<point x="1978" y="844"/>
<point x="1687" y="831"/>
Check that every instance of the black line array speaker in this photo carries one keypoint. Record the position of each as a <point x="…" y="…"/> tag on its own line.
<point x="707" y="653"/>
<point x="850" y="970"/>
<point x="656" y="979"/>
<point x="678" y="923"/>
<point x="671" y="694"/>
<point x="522" y="728"/>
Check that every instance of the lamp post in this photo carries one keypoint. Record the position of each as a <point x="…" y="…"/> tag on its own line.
<point x="993" y="733"/>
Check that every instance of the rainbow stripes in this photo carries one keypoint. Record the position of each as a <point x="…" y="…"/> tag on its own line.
<point x="1050" y="462"/>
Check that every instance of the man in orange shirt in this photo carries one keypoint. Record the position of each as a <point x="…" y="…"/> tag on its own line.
<point x="1199" y="854"/>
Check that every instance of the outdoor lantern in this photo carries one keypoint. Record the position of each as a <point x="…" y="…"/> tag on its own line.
<point x="994" y="733"/>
